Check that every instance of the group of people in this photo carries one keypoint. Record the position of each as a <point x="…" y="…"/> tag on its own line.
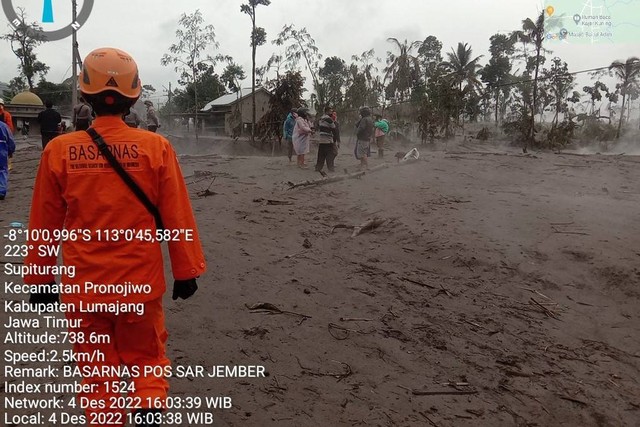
<point x="298" y="128"/>
<point x="83" y="116"/>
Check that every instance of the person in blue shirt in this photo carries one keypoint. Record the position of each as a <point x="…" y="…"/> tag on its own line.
<point x="7" y="147"/>
<point x="287" y="130"/>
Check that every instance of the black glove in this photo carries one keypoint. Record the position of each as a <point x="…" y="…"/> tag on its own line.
<point x="45" y="298"/>
<point x="184" y="288"/>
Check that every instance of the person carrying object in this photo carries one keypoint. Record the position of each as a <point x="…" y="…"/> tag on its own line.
<point x="79" y="185"/>
<point x="381" y="130"/>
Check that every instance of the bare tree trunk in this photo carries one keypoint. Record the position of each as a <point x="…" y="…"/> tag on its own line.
<point x="621" y="116"/>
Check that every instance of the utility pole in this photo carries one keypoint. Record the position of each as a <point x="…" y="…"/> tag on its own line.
<point x="75" y="54"/>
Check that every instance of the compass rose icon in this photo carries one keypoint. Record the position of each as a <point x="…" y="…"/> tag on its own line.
<point x="48" y="17"/>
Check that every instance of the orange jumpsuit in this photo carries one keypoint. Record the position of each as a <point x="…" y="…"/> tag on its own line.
<point x="76" y="189"/>
<point x="8" y="120"/>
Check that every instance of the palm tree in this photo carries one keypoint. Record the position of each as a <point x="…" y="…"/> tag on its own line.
<point x="258" y="38"/>
<point x="401" y="67"/>
<point x="463" y="70"/>
<point x="628" y="72"/>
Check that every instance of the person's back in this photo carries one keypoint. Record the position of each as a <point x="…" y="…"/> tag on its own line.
<point x="82" y="115"/>
<point x="49" y="120"/>
<point x="5" y="117"/>
<point x="117" y="245"/>
<point x="132" y="119"/>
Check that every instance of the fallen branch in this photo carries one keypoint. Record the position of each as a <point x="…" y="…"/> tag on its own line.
<point x="269" y="308"/>
<point x="272" y="201"/>
<point x="415" y="282"/>
<point x="571" y="399"/>
<point x="555" y="230"/>
<point x="368" y="225"/>
<point x="206" y="192"/>
<point x="332" y="326"/>
<point x="442" y="392"/>
<point x="545" y="310"/>
<point x="339" y="376"/>
<point x="337" y="178"/>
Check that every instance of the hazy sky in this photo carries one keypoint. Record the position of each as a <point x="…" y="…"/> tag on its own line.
<point x="146" y="28"/>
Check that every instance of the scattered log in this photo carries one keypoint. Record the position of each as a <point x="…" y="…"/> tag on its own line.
<point x="368" y="225"/>
<point x="415" y="282"/>
<point x="442" y="392"/>
<point x="267" y="307"/>
<point x="337" y="178"/>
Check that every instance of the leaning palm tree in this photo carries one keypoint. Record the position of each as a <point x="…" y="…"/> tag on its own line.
<point x="463" y="70"/>
<point x="401" y="67"/>
<point x="629" y="73"/>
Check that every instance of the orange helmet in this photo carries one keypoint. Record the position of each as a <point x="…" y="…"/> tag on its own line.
<point x="109" y="68"/>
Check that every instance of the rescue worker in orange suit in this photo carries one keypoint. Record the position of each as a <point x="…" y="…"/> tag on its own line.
<point x="76" y="188"/>
<point x="6" y="117"/>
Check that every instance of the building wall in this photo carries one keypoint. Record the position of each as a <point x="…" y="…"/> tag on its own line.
<point x="244" y="109"/>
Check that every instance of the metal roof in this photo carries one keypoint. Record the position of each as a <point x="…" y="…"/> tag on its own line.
<point x="231" y="98"/>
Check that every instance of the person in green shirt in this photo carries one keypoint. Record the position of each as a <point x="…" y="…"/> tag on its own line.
<point x="382" y="129"/>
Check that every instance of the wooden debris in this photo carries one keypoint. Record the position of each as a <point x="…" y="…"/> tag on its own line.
<point x="442" y="392"/>
<point x="272" y="202"/>
<point x="207" y="192"/>
<point x="355" y="319"/>
<point x="267" y="307"/>
<point x="555" y="230"/>
<point x="338" y="375"/>
<point x="572" y="399"/>
<point x="545" y="310"/>
<point x="332" y="179"/>
<point x="415" y="282"/>
<point x="368" y="225"/>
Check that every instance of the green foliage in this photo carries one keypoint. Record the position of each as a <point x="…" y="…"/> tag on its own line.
<point x="402" y="70"/>
<point x="232" y="75"/>
<point x="286" y="95"/>
<point x="628" y="73"/>
<point x="300" y="45"/>
<point x="334" y="75"/>
<point x="16" y="85"/>
<point x="208" y="87"/>
<point x="58" y="93"/>
<point x="24" y="39"/>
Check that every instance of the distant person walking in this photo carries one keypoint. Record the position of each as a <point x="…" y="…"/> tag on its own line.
<point x="5" y="116"/>
<point x="82" y="115"/>
<point x="381" y="130"/>
<point x="302" y="136"/>
<point x="152" y="118"/>
<point x="132" y="119"/>
<point x="7" y="147"/>
<point x="287" y="130"/>
<point x="327" y="147"/>
<point x="364" y="133"/>
<point x="49" y="120"/>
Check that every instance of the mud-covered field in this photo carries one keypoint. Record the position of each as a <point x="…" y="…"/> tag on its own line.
<point x="495" y="289"/>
